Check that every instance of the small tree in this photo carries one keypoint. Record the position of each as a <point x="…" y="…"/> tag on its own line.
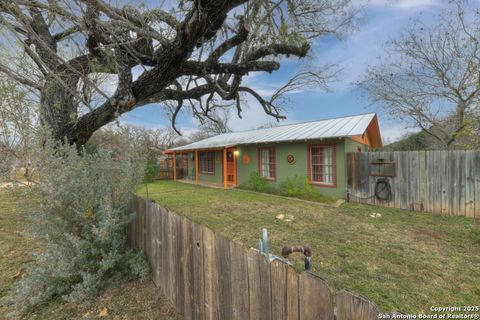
<point x="78" y="209"/>
<point x="79" y="216"/>
<point x="18" y="124"/>
<point x="216" y="124"/>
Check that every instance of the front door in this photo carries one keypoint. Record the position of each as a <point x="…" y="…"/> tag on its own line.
<point x="231" y="167"/>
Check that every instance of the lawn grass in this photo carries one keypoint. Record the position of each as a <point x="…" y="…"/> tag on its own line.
<point x="132" y="300"/>
<point x="401" y="260"/>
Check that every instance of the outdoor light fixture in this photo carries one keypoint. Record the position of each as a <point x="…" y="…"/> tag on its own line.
<point x="235" y="153"/>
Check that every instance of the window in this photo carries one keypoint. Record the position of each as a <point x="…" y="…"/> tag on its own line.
<point x="207" y="162"/>
<point x="322" y="164"/>
<point x="266" y="163"/>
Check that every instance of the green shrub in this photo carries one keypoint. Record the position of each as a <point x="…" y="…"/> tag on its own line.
<point x="79" y="219"/>
<point x="299" y="187"/>
<point x="291" y="187"/>
<point x="152" y="168"/>
<point x="258" y="183"/>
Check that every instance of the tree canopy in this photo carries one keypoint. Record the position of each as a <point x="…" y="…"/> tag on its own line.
<point x="192" y="54"/>
<point x="431" y="74"/>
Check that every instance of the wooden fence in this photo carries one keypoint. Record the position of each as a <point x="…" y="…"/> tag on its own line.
<point x="207" y="276"/>
<point x="443" y="182"/>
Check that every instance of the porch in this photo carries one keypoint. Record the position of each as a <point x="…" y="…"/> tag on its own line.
<point x="209" y="184"/>
<point x="204" y="170"/>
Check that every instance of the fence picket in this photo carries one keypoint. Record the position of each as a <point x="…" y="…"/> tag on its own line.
<point x="210" y="264"/>
<point x="351" y="306"/>
<point x="476" y="175"/>
<point x="278" y="280"/>
<point x="469" y="184"/>
<point x="258" y="286"/>
<point x="293" y="288"/>
<point x="239" y="280"/>
<point x="316" y="298"/>
<point x="443" y="182"/>
<point x="198" y="272"/>
<point x="223" y="273"/>
<point x="188" y="269"/>
<point x="207" y="276"/>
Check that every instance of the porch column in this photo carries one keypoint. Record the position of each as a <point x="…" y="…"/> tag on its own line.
<point x="197" y="177"/>
<point x="225" y="168"/>
<point x="174" y="166"/>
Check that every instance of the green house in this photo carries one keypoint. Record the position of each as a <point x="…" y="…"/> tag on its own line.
<point x="315" y="149"/>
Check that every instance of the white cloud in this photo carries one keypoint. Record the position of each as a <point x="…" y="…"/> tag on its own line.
<point x="391" y="133"/>
<point x="402" y="4"/>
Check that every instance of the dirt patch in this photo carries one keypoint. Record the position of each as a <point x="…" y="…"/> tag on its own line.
<point x="227" y="207"/>
<point x="143" y="301"/>
<point x="428" y="233"/>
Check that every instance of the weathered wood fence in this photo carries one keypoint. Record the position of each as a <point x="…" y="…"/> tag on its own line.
<point x="443" y="182"/>
<point x="207" y="276"/>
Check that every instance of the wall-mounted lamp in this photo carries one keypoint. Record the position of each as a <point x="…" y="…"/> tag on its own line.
<point x="236" y="153"/>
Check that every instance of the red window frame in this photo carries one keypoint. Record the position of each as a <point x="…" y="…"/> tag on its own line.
<point x="273" y="163"/>
<point x="334" y="160"/>
<point x="206" y="162"/>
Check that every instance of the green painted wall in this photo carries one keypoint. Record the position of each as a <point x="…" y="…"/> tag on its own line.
<point x="352" y="146"/>
<point x="217" y="177"/>
<point x="300" y="167"/>
<point x="283" y="169"/>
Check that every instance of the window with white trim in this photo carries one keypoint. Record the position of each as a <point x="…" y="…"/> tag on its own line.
<point x="322" y="164"/>
<point x="266" y="163"/>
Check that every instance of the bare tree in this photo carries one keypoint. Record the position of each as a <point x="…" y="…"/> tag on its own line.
<point x="432" y="74"/>
<point x="269" y="125"/>
<point x="18" y="125"/>
<point x="161" y="138"/>
<point x="190" y="55"/>
<point x="216" y="124"/>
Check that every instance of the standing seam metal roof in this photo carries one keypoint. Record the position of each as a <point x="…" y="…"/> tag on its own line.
<point x="320" y="129"/>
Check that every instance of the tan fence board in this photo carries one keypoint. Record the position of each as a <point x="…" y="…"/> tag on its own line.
<point x="239" y="281"/>
<point x="443" y="182"/>
<point x="278" y="283"/>
<point x="165" y="253"/>
<point x="171" y="259"/>
<point x="188" y="268"/>
<point x="198" y="273"/>
<point x="223" y="273"/>
<point x="179" y="259"/>
<point x="158" y="270"/>
<point x="316" y="298"/>
<point x="210" y="264"/>
<point x="259" y="286"/>
<point x="293" y="288"/>
<point x="351" y="306"/>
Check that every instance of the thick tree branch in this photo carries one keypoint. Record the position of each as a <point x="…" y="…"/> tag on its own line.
<point x="201" y="68"/>
<point x="277" y="49"/>
<point x="15" y="76"/>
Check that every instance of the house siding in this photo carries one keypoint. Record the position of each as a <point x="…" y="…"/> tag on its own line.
<point x="300" y="167"/>
<point x="283" y="168"/>
<point x="353" y="146"/>
<point x="217" y="177"/>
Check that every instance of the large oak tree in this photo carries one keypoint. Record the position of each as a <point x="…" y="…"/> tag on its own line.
<point x="189" y="54"/>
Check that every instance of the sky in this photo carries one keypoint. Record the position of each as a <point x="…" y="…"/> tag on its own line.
<point x="382" y="20"/>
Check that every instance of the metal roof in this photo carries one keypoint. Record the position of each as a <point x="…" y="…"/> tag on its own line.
<point x="313" y="130"/>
